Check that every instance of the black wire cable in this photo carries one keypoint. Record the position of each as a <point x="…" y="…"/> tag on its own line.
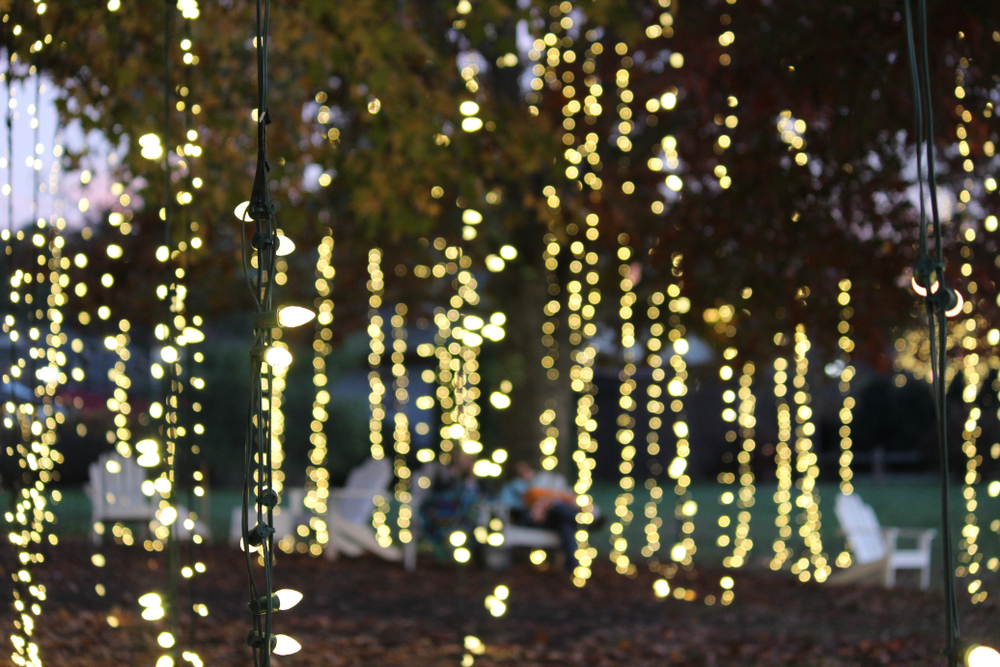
<point x="929" y="274"/>
<point x="257" y="451"/>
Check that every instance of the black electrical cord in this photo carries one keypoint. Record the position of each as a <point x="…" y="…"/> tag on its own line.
<point x="929" y="275"/>
<point x="257" y="451"/>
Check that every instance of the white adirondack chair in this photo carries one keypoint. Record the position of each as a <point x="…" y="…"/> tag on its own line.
<point x="115" y="492"/>
<point x="876" y="553"/>
<point x="348" y="517"/>
<point x="286" y="517"/>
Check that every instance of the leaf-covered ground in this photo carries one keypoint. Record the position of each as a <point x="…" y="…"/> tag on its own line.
<point x="366" y="612"/>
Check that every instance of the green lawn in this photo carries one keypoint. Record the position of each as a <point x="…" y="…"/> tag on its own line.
<point x="902" y="503"/>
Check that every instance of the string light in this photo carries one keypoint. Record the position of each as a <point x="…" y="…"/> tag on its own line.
<point x="846" y="415"/>
<point x="582" y="331"/>
<point x="685" y="508"/>
<point x="783" y="463"/>
<point x="746" y="422"/>
<point x="401" y="431"/>
<point x="375" y="397"/>
<point x="34" y="417"/>
<point x="627" y="404"/>
<point x="259" y="485"/>
<point x="814" y="563"/>
<point x="973" y="369"/>
<point x="278" y="385"/>
<point x="317" y="475"/>
<point x="548" y="418"/>
<point x="655" y="408"/>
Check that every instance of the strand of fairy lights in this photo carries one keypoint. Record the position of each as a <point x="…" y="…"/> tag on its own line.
<point x="685" y="508"/>
<point x="969" y="555"/>
<point x="627" y="404"/>
<point x="807" y="465"/>
<point x="190" y="335"/>
<point x="582" y="382"/>
<point x="401" y="429"/>
<point x="550" y="256"/>
<point x="730" y="414"/>
<point x="783" y="465"/>
<point x="317" y="475"/>
<point x="560" y="51"/>
<point x="585" y="158"/>
<point x="655" y="408"/>
<point x="746" y="422"/>
<point x="973" y="369"/>
<point x="846" y="374"/>
<point x="846" y="410"/>
<point x="377" y="394"/>
<point x="29" y="415"/>
<point x="654" y="390"/>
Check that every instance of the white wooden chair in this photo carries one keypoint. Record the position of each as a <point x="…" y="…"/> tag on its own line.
<point x="876" y="553"/>
<point x="115" y="492"/>
<point x="349" y="513"/>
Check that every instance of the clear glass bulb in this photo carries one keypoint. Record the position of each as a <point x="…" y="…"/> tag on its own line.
<point x="285" y="645"/>
<point x="982" y="656"/>
<point x="285" y="246"/>
<point x="287" y="598"/>
<point x="960" y="301"/>
<point x="278" y="357"/>
<point x="294" y="316"/>
<point x="150" y="600"/>
<point x="241" y="210"/>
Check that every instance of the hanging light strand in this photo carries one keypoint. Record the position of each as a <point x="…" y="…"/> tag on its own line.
<point x="548" y="419"/>
<point x="813" y="562"/>
<point x="401" y="429"/>
<point x="655" y="408"/>
<point x="259" y="495"/>
<point x="846" y="374"/>
<point x="317" y="475"/>
<point x="783" y="464"/>
<point x="627" y="404"/>
<point x="685" y="507"/>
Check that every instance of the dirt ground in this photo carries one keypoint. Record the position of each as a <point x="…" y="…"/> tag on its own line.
<point x="371" y="613"/>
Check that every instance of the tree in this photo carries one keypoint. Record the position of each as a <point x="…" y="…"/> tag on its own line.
<point x="369" y="95"/>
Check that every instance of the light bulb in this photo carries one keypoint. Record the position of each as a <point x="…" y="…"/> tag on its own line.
<point x="285" y="645"/>
<point x="287" y="598"/>
<point x="241" y="210"/>
<point x="192" y="336"/>
<point x="957" y="308"/>
<point x="152" y="613"/>
<point x="165" y="639"/>
<point x="982" y="656"/>
<point x="285" y="246"/>
<point x="148" y="460"/>
<point x="167" y="515"/>
<point x="146" y="446"/>
<point x="278" y="357"/>
<point x="294" y="316"/>
<point x="150" y="600"/>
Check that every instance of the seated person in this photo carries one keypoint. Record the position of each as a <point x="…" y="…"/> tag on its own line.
<point x="542" y="500"/>
<point x="452" y="504"/>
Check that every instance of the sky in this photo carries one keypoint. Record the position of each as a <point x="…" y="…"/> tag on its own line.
<point x="39" y="145"/>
